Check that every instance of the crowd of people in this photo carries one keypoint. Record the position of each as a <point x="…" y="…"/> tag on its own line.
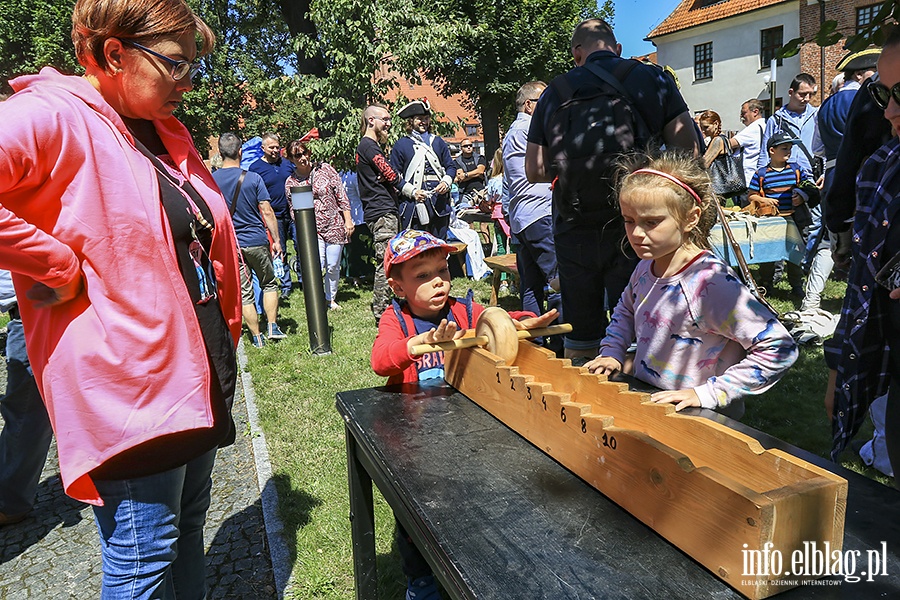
<point x="132" y="265"/>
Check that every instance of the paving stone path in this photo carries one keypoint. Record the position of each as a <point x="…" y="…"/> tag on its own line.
<point x="54" y="554"/>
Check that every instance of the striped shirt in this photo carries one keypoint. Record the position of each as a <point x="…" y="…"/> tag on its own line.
<point x="778" y="183"/>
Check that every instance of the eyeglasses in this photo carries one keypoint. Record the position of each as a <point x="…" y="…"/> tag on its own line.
<point x="532" y="100"/>
<point x="466" y="146"/>
<point x="180" y="68"/>
<point x="383" y="119"/>
<point x="881" y="95"/>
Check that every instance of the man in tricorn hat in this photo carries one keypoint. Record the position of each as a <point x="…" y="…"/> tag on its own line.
<point x="830" y="125"/>
<point x="423" y="159"/>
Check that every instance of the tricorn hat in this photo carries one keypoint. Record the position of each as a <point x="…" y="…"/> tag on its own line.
<point x="855" y="61"/>
<point x="415" y="108"/>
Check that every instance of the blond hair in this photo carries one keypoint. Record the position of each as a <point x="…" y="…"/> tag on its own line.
<point x="95" y="21"/>
<point x="679" y="201"/>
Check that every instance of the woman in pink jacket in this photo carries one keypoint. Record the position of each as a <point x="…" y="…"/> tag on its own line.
<point x="120" y="241"/>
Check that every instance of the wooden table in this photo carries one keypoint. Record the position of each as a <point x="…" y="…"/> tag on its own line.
<point x="504" y="263"/>
<point x="497" y="518"/>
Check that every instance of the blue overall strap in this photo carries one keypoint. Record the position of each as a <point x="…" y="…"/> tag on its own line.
<point x="398" y="310"/>
<point x="467" y="302"/>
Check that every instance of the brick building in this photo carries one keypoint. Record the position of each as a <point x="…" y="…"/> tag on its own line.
<point x="850" y="15"/>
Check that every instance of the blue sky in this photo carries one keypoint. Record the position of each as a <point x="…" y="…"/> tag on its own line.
<point x="635" y="18"/>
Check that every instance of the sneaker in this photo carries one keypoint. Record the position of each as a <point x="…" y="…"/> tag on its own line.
<point x="423" y="588"/>
<point x="334" y="306"/>
<point x="275" y="333"/>
<point x="258" y="341"/>
<point x="285" y="296"/>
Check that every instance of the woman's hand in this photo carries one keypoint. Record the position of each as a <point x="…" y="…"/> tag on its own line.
<point x="349" y="228"/>
<point x="43" y="296"/>
<point x="680" y="398"/>
<point x="536" y="322"/>
<point x="603" y="365"/>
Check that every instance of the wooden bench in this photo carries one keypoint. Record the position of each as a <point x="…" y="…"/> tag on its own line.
<point x="505" y="263"/>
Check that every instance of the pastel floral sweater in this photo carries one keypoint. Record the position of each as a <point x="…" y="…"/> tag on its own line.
<point x="699" y="329"/>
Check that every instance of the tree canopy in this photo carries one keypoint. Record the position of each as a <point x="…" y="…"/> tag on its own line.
<point x="288" y="65"/>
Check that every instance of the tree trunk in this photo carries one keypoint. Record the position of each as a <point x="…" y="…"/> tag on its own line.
<point x="490" y="124"/>
<point x="296" y="15"/>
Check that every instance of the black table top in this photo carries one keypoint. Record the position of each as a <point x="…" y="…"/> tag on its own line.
<point x="510" y="522"/>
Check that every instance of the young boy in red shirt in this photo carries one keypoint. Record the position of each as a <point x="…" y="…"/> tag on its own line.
<point x="415" y="264"/>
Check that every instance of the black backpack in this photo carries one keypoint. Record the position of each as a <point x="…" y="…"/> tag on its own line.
<point x="594" y="126"/>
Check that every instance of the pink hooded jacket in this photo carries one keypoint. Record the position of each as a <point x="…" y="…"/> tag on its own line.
<point x="123" y="362"/>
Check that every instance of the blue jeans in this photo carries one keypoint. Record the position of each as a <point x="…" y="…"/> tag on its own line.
<point x="151" y="533"/>
<point x="26" y="434"/>
<point x="286" y="232"/>
<point x="536" y="263"/>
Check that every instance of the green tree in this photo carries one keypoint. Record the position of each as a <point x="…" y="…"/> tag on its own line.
<point x="34" y="34"/>
<point x="489" y="48"/>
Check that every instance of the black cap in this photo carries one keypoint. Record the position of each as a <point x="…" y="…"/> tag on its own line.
<point x="415" y="108"/>
<point x="780" y="138"/>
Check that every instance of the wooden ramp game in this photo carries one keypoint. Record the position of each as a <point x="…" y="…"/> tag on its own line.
<point x="713" y="492"/>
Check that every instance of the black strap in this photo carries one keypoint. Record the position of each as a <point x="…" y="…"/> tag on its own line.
<point x="187" y="187"/>
<point x="237" y="190"/>
<point x="786" y="125"/>
<point x="616" y="79"/>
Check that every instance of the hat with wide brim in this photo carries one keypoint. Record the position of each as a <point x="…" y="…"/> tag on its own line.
<point x="408" y="244"/>
<point x="415" y="108"/>
<point x="857" y="61"/>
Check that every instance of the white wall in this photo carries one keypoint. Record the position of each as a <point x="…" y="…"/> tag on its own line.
<point x="736" y="67"/>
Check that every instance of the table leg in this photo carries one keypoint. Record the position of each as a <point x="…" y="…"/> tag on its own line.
<point x="495" y="286"/>
<point x="362" y="524"/>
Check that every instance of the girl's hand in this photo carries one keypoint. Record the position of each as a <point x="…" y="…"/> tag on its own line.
<point x="680" y="398"/>
<point x="44" y="296"/>
<point x="535" y="322"/>
<point x="603" y="365"/>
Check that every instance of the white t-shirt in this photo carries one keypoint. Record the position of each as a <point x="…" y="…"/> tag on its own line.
<point x="749" y="139"/>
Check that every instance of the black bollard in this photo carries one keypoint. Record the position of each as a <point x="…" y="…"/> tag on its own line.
<point x="313" y="288"/>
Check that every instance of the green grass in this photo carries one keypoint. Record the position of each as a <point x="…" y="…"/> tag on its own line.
<point x="296" y="395"/>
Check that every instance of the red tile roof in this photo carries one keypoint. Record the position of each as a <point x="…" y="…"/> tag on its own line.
<point x="691" y="13"/>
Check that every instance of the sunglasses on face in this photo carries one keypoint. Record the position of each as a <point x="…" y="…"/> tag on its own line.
<point x="881" y="95"/>
<point x="179" y="68"/>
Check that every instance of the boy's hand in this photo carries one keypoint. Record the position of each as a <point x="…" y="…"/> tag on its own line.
<point x="444" y="332"/>
<point x="680" y="398"/>
<point x="534" y="322"/>
<point x="603" y="365"/>
<point x="798" y="198"/>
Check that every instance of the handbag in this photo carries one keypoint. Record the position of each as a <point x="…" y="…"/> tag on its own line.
<point x="726" y="175"/>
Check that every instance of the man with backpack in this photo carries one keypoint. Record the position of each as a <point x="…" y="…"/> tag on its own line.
<point x="583" y="124"/>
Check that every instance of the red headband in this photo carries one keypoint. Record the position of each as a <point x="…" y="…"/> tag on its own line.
<point x="674" y="180"/>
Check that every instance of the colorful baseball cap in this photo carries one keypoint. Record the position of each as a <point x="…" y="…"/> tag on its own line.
<point x="409" y="243"/>
<point x="780" y="138"/>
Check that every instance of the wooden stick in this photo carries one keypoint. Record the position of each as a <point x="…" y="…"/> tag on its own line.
<point x="468" y="342"/>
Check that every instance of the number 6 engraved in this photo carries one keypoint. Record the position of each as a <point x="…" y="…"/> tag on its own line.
<point x="562" y="414"/>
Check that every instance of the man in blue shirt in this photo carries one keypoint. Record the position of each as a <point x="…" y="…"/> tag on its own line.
<point x="798" y="119"/>
<point x="252" y="215"/>
<point x="274" y="171"/>
<point x="530" y="210"/>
